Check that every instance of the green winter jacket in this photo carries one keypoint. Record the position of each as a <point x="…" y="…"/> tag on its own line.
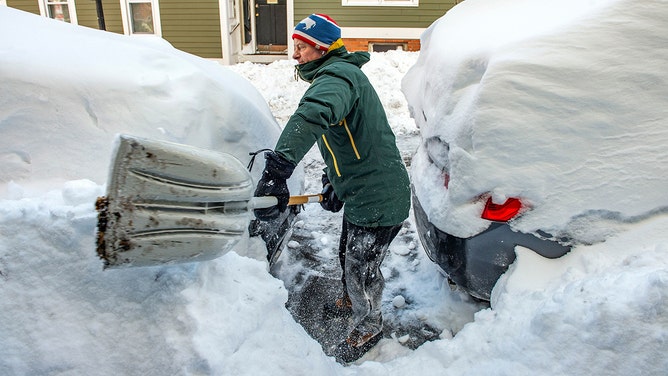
<point x="343" y="114"/>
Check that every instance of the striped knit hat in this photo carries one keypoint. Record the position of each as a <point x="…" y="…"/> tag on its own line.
<point x="320" y="31"/>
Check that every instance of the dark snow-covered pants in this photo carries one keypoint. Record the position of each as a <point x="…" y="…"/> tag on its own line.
<point x="361" y="251"/>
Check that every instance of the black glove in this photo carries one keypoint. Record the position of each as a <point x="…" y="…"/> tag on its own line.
<point x="273" y="183"/>
<point x="330" y="201"/>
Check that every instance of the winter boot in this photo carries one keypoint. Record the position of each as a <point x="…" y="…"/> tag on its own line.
<point x="355" y="346"/>
<point x="341" y="307"/>
<point x="358" y="339"/>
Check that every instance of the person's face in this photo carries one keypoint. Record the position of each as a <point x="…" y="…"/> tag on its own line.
<point x="305" y="52"/>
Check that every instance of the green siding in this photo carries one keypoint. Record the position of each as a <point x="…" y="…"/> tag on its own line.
<point x="86" y="12"/>
<point x="31" y="6"/>
<point x="87" y="15"/>
<point x="192" y="26"/>
<point x="377" y="16"/>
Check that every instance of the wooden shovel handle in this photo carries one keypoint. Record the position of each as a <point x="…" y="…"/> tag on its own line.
<point x="304" y="199"/>
<point x="269" y="201"/>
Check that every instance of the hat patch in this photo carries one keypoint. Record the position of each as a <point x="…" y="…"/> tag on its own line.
<point x="308" y="22"/>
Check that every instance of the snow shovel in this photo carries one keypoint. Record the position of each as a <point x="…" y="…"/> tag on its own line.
<point x="170" y="203"/>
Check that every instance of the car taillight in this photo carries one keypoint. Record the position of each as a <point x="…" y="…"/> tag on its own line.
<point x="501" y="212"/>
<point x="446" y="180"/>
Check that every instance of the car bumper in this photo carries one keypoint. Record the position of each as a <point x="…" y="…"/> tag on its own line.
<point x="476" y="263"/>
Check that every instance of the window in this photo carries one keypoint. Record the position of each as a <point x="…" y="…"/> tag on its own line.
<point x="61" y="10"/>
<point x="366" y="3"/>
<point x="384" y="47"/>
<point x="141" y="17"/>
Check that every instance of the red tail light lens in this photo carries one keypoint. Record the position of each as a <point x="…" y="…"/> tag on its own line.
<point x="501" y="212"/>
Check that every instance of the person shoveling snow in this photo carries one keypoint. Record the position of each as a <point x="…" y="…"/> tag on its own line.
<point x="364" y="173"/>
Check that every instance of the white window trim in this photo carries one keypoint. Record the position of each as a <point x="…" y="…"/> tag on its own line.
<point x="380" y="3"/>
<point x="70" y="6"/>
<point x="125" y="16"/>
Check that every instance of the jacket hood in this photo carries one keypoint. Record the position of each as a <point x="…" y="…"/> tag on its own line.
<point x="308" y="71"/>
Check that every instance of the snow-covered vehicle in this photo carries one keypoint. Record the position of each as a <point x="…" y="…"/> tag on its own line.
<point x="540" y="132"/>
<point x="137" y="85"/>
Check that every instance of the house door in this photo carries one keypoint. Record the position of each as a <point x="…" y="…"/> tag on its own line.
<point x="230" y="32"/>
<point x="271" y="26"/>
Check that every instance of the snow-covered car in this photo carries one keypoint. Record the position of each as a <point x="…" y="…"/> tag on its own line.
<point x="63" y="83"/>
<point x="542" y="132"/>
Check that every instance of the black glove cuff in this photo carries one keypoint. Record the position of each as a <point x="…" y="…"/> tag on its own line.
<point x="277" y="167"/>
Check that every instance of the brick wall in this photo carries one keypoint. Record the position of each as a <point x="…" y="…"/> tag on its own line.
<point x="362" y="44"/>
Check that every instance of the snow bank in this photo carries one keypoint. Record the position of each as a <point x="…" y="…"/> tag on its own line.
<point x="62" y="82"/>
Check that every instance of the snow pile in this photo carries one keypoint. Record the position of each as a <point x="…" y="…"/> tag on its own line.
<point x="62" y="312"/>
<point x="63" y="83"/>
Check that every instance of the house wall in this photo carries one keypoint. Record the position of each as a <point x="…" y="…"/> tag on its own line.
<point x="376" y="16"/>
<point x="87" y="15"/>
<point x="363" y="26"/>
<point x="192" y="26"/>
<point x="31" y="6"/>
<point x="86" y="12"/>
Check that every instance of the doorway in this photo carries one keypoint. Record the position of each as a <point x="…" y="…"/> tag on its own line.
<point x="271" y="26"/>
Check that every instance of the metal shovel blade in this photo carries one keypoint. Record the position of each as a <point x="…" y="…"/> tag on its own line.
<point x="171" y="203"/>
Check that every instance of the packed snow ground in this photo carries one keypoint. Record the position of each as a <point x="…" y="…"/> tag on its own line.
<point x="602" y="309"/>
